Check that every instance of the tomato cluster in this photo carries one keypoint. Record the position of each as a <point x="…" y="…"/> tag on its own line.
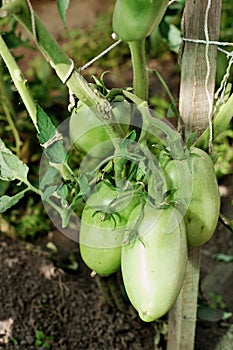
<point x="128" y="225"/>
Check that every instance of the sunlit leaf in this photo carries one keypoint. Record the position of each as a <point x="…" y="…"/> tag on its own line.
<point x="11" y="167"/>
<point x="46" y="128"/>
<point x="49" y="138"/>
<point x="6" y="202"/>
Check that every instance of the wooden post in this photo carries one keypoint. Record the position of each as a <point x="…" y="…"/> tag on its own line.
<point x="194" y="105"/>
<point x="194" y="109"/>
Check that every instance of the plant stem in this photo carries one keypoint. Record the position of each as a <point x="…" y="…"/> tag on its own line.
<point x="19" y="81"/>
<point x="8" y="111"/>
<point x="173" y="102"/>
<point x="140" y="74"/>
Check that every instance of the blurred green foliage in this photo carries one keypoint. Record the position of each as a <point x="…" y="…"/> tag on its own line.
<point x="85" y="44"/>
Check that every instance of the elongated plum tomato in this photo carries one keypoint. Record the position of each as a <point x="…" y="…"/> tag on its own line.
<point x="102" y="232"/>
<point x="88" y="133"/>
<point x="153" y="265"/>
<point x="203" y="210"/>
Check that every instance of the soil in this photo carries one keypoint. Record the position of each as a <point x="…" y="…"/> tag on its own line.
<point x="38" y="292"/>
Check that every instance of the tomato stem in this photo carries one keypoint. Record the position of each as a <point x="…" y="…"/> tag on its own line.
<point x="8" y="110"/>
<point x="19" y="81"/>
<point x="140" y="74"/>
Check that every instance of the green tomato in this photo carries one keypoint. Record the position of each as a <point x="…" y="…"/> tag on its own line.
<point x="202" y="212"/>
<point x="88" y="133"/>
<point x="102" y="229"/>
<point x="136" y="19"/>
<point x="153" y="265"/>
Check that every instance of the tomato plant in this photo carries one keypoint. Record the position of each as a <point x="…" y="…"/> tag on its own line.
<point x="135" y="218"/>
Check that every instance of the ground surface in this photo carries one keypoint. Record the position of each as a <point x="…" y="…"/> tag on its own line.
<point x="38" y="292"/>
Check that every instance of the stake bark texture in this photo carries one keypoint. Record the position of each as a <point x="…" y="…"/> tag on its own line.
<point x="194" y="106"/>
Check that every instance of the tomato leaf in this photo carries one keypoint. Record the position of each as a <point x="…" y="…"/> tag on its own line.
<point x="220" y="123"/>
<point x="49" y="138"/>
<point x="83" y="185"/>
<point x="208" y="313"/>
<point x="141" y="171"/>
<point x="65" y="216"/>
<point x="11" y="167"/>
<point x="3" y="147"/>
<point x="63" y="192"/>
<point x="224" y="257"/>
<point x="6" y="202"/>
<point x="49" y="178"/>
<point x="62" y="6"/>
<point x="46" y="128"/>
<point x="47" y="193"/>
<point x="56" y="153"/>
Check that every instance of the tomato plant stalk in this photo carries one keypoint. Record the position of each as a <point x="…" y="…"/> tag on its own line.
<point x="19" y="80"/>
<point x="140" y="74"/>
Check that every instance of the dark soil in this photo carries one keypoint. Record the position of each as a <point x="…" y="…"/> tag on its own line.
<point x="36" y="294"/>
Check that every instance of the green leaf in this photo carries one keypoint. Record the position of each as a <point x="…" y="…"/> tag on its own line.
<point x="62" y="6"/>
<point x="6" y="202"/>
<point x="63" y="193"/>
<point x="46" y="345"/>
<point x="83" y="185"/>
<point x="4" y="185"/>
<point x="207" y="313"/>
<point x="65" y="216"/>
<point x="56" y="153"/>
<point x="54" y="149"/>
<point x="224" y="257"/>
<point x="226" y="315"/>
<point x="141" y="171"/>
<point x="220" y="123"/>
<point x="46" y="128"/>
<point x="73" y="262"/>
<point x="40" y="335"/>
<point x="49" y="178"/>
<point x="52" y="247"/>
<point x="47" y="193"/>
<point x="11" y="167"/>
<point x="38" y="342"/>
<point x="3" y="147"/>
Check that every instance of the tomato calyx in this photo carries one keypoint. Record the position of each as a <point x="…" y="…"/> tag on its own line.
<point x="105" y="216"/>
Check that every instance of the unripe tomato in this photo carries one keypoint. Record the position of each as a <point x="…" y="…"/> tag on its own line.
<point x="87" y="131"/>
<point x="102" y="232"/>
<point x="202" y="212"/>
<point x="136" y="19"/>
<point x="153" y="265"/>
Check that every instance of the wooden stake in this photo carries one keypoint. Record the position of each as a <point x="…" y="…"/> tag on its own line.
<point x="182" y="317"/>
<point x="194" y="109"/>
<point x="193" y="104"/>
